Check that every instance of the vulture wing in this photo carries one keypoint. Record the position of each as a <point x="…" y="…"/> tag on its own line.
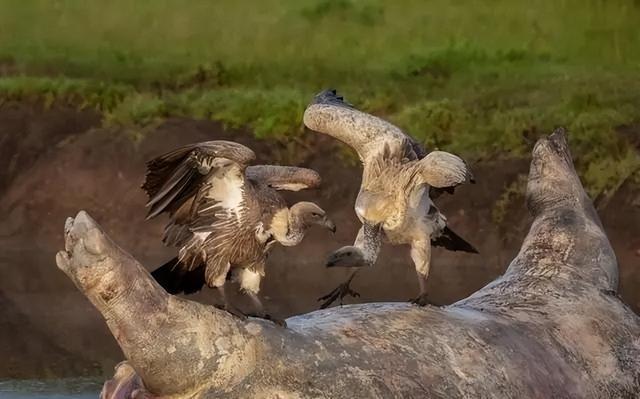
<point x="442" y="170"/>
<point x="289" y="178"/>
<point x="367" y="134"/>
<point x="174" y="178"/>
<point x="203" y="188"/>
<point x="374" y="138"/>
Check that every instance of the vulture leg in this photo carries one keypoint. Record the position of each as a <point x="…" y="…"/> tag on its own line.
<point x="421" y="256"/>
<point x="364" y="252"/>
<point x="261" y="313"/>
<point x="339" y="292"/>
<point x="216" y="277"/>
<point x="250" y="285"/>
<point x="228" y="306"/>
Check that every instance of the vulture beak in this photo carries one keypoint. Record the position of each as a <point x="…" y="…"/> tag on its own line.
<point x="330" y="225"/>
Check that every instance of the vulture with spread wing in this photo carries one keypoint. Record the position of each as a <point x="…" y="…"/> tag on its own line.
<point x="225" y="215"/>
<point x="393" y="203"/>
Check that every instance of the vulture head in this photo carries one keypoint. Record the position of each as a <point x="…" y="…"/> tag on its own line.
<point x="308" y="214"/>
<point x="348" y="256"/>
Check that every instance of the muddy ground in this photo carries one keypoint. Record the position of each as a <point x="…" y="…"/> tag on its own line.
<point x="56" y="161"/>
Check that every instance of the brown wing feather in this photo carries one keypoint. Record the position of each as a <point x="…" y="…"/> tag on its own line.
<point x="160" y="169"/>
<point x="177" y="232"/>
<point x="175" y="177"/>
<point x="290" y="178"/>
<point x="182" y="184"/>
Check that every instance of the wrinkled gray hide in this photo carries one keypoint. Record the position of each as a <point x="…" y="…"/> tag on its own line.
<point x="551" y="327"/>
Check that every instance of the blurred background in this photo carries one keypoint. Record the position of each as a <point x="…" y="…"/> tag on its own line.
<point x="91" y="90"/>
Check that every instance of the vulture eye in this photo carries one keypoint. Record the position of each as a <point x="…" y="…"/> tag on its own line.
<point x="315" y="214"/>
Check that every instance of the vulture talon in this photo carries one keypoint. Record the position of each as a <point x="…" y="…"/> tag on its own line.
<point x="265" y="316"/>
<point x="234" y="311"/>
<point x="338" y="293"/>
<point x="422" y="300"/>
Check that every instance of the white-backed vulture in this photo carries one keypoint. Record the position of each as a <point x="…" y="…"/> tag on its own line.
<point x="225" y="216"/>
<point x="393" y="203"/>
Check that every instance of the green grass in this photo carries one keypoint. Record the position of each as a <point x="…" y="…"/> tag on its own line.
<point x="466" y="76"/>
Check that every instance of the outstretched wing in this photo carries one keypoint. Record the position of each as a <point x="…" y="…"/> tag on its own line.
<point x="289" y="178"/>
<point x="375" y="139"/>
<point x="442" y="170"/>
<point x="369" y="135"/>
<point x="174" y="178"/>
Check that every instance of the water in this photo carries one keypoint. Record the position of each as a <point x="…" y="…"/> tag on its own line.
<point x="69" y="388"/>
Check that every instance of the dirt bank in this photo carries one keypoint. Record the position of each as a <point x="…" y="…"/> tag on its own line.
<point x="54" y="162"/>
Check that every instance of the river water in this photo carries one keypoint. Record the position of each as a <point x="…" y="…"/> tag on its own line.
<point x="72" y="388"/>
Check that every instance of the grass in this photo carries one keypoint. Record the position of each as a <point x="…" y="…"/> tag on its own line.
<point x="472" y="77"/>
<point x="511" y="192"/>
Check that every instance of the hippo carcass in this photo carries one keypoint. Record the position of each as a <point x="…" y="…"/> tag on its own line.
<point x="551" y="327"/>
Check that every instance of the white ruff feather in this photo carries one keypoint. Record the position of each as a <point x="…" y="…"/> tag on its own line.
<point x="280" y="225"/>
<point x="261" y="234"/>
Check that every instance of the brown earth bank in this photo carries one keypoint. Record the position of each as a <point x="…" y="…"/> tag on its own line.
<point x="56" y="161"/>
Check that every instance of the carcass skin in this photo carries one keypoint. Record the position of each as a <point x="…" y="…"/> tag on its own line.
<point x="551" y="327"/>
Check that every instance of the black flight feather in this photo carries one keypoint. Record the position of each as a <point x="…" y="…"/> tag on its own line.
<point x="453" y="242"/>
<point x="176" y="279"/>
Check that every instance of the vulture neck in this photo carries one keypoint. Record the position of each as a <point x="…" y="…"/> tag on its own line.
<point x="288" y="226"/>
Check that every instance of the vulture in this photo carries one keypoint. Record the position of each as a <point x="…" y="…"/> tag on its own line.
<point x="225" y="216"/>
<point x="394" y="203"/>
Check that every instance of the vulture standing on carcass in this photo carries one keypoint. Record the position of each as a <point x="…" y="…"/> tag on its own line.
<point x="393" y="203"/>
<point x="225" y="216"/>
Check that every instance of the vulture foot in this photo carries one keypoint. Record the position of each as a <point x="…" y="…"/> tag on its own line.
<point x="276" y="320"/>
<point x="423" y="300"/>
<point x="339" y="293"/>
<point x="232" y="310"/>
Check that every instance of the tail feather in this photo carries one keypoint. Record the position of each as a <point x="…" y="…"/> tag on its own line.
<point x="453" y="242"/>
<point x="176" y="280"/>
